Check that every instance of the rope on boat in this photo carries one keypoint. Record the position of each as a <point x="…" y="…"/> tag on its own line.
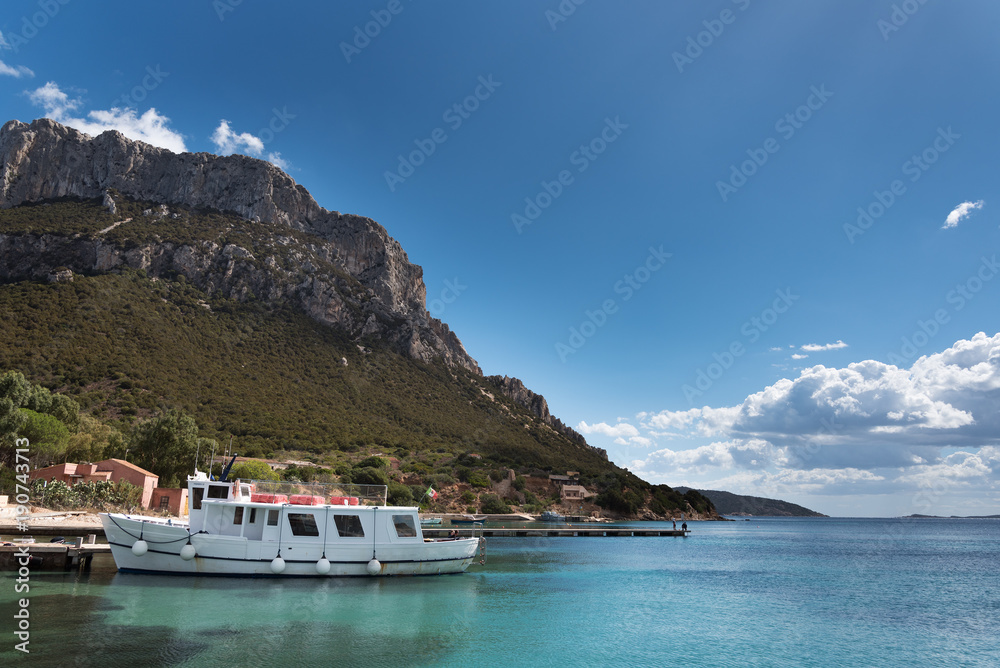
<point x="140" y="536"/>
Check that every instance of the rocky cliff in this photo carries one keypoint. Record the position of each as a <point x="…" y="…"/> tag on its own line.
<point x="516" y="390"/>
<point x="343" y="270"/>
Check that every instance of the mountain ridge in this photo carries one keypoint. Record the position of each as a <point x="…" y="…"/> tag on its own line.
<point x="45" y="160"/>
<point x="163" y="214"/>
<point x="728" y="503"/>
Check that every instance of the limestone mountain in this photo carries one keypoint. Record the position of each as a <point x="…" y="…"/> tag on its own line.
<point x="349" y="272"/>
<point x="233" y="227"/>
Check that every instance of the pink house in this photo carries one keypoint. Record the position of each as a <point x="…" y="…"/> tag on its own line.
<point x="111" y="470"/>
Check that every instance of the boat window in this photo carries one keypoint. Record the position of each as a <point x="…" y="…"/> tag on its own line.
<point x="303" y="524"/>
<point x="272" y="518"/>
<point x="199" y="492"/>
<point x="218" y="491"/>
<point x="253" y="516"/>
<point x="349" y="526"/>
<point x="404" y="526"/>
<point x="238" y="516"/>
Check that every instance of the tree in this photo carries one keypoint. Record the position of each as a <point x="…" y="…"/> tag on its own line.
<point x="252" y="470"/>
<point x="48" y="437"/>
<point x="493" y="505"/>
<point x="15" y="387"/>
<point x="91" y="441"/>
<point x="399" y="494"/>
<point x="167" y="446"/>
<point x="369" y="476"/>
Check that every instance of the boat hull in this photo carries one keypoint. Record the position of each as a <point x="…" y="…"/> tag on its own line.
<point x="237" y="556"/>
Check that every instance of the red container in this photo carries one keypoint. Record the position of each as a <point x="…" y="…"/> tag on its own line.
<point x="268" y="498"/>
<point x="306" y="500"/>
<point x="344" y="500"/>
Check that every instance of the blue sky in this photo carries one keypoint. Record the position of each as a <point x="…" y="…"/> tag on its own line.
<point x="741" y="245"/>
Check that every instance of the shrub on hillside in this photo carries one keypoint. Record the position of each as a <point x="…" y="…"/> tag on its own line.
<point x="493" y="505"/>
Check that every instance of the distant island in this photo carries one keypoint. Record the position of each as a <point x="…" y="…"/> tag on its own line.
<point x="942" y="517"/>
<point x="727" y="503"/>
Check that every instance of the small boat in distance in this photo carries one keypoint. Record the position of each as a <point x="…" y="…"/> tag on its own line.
<point x="430" y="521"/>
<point x="468" y="519"/>
<point x="260" y="528"/>
<point x="551" y="516"/>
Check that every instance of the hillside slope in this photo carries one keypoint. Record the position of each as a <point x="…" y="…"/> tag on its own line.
<point x="139" y="282"/>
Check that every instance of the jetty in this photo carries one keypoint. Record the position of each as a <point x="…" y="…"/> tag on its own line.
<point x="52" y="556"/>
<point x="552" y="532"/>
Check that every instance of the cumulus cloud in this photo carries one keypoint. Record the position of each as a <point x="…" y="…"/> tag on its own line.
<point x="799" y="356"/>
<point x="279" y="162"/>
<point x="870" y="427"/>
<point x="16" y="72"/>
<point x="150" y="127"/>
<point x="620" y="429"/>
<point x="226" y="141"/>
<point x="818" y="347"/>
<point x="960" y="212"/>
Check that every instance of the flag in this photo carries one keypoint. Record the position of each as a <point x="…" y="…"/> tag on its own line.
<point x="431" y="493"/>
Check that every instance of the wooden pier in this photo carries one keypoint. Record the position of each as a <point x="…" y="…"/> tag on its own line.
<point x="51" y="556"/>
<point x="553" y="531"/>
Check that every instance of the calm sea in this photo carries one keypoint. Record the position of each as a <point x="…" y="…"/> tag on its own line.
<point x="769" y="592"/>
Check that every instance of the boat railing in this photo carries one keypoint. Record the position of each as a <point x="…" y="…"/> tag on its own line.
<point x="332" y="492"/>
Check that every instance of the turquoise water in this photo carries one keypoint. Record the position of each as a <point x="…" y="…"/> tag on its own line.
<point x="770" y="592"/>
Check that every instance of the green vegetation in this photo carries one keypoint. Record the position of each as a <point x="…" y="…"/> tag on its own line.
<point x="119" y="496"/>
<point x="122" y="362"/>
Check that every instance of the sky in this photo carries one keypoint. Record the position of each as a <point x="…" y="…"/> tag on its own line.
<point x="740" y="245"/>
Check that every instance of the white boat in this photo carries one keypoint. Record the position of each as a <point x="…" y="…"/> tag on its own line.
<point x="252" y="528"/>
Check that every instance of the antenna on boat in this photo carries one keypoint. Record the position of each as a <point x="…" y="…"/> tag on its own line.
<point x="225" y="471"/>
<point x="212" y="462"/>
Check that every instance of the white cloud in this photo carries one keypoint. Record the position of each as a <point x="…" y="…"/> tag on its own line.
<point x="620" y="430"/>
<point x="960" y="212"/>
<point x="279" y="162"/>
<point x="799" y="356"/>
<point x="150" y="127"/>
<point x="868" y="428"/>
<point x="226" y="141"/>
<point x="817" y="347"/>
<point x="706" y="421"/>
<point x="16" y="72"/>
